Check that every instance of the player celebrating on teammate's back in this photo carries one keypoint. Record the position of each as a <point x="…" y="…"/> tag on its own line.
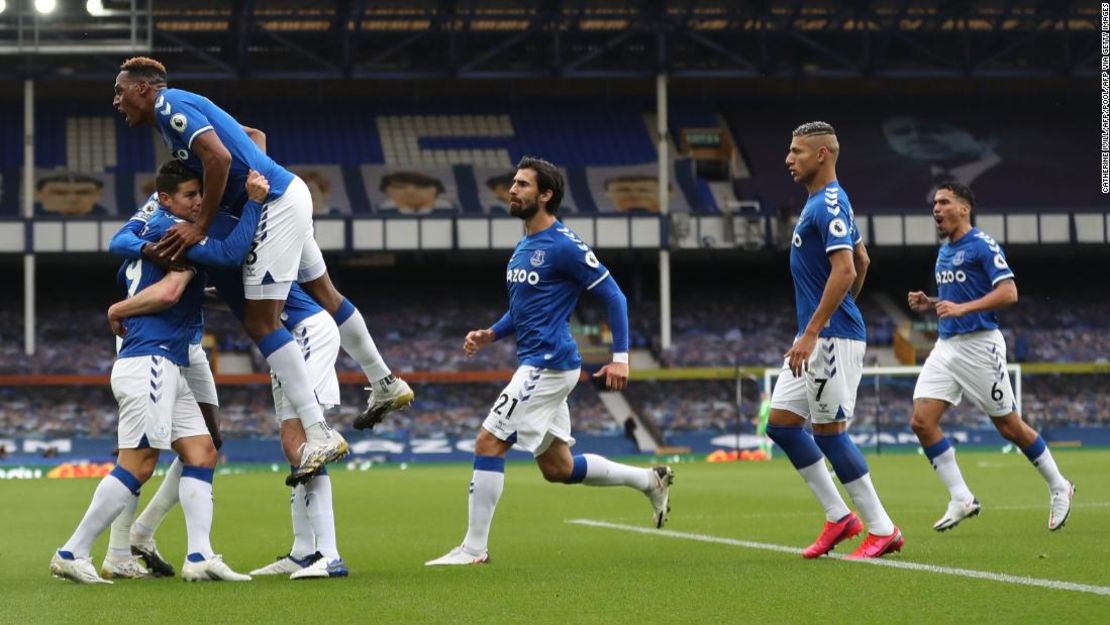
<point x="547" y="273"/>
<point x="822" y="370"/>
<point x="973" y="280"/>
<point x="208" y="140"/>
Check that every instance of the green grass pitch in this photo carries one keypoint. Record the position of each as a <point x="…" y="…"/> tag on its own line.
<point x="546" y="570"/>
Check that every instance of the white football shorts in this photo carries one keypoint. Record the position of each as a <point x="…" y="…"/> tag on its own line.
<point x="973" y="364"/>
<point x="826" y="392"/>
<point x="318" y="338"/>
<point x="155" y="402"/>
<point x="199" y="376"/>
<point x="532" y="411"/>
<point x="284" y="249"/>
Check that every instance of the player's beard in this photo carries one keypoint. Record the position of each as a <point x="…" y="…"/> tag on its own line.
<point x="523" y="208"/>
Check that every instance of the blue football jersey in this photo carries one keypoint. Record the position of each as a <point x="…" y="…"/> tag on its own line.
<point x="299" y="305"/>
<point x="169" y="332"/>
<point x="126" y="242"/>
<point x="827" y="224"/>
<point x="136" y="227"/>
<point x="966" y="270"/>
<point x="145" y="211"/>
<point x="547" y="274"/>
<point x="181" y="116"/>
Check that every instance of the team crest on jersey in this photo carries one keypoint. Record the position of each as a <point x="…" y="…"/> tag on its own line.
<point x="838" y="228"/>
<point x="182" y="154"/>
<point x="179" y="123"/>
<point x="958" y="259"/>
<point x="537" y="258"/>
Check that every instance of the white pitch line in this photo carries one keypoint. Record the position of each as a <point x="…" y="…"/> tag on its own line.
<point x="988" y="507"/>
<point x="896" y="564"/>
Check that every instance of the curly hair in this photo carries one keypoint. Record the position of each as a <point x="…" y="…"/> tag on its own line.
<point x="145" y="67"/>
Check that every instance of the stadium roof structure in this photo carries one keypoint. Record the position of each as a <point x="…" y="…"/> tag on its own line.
<point x="499" y="39"/>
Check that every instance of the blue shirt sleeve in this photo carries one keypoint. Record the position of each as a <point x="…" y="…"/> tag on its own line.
<point x="504" y="327"/>
<point x="836" y="228"/>
<point x="992" y="260"/>
<point x="617" y="305"/>
<point x="228" y="252"/>
<point x="179" y="117"/>
<point x="578" y="261"/>
<point x="126" y="242"/>
<point x="856" y="235"/>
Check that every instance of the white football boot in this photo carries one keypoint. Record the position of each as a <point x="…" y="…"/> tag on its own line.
<point x="1059" y="507"/>
<point x="126" y="567"/>
<point x="384" y="398"/>
<point x="211" y="569"/>
<point x="324" y="445"/>
<point x="957" y="511"/>
<point x="660" y="494"/>
<point x="459" y="556"/>
<point x="285" y="565"/>
<point x="321" y="568"/>
<point x="80" y="570"/>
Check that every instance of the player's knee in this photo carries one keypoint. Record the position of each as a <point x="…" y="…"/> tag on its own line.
<point x="325" y="293"/>
<point x="919" y="424"/>
<point x="785" y="435"/>
<point x="260" y="320"/>
<point x="925" y="419"/>
<point x="201" y="454"/>
<point x="259" y="328"/>
<point x="145" y="470"/>
<point x="1013" y="430"/>
<point x="208" y="457"/>
<point x="487" y="444"/>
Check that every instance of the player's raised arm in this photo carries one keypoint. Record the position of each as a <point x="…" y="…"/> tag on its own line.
<point x="126" y="242"/>
<point x="231" y="251"/>
<point x="151" y="300"/>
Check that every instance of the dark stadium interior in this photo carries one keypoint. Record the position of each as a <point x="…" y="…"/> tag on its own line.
<point x="458" y="91"/>
<point x="714" y="154"/>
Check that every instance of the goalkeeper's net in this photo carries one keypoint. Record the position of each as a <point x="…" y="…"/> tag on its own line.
<point x="884" y="404"/>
